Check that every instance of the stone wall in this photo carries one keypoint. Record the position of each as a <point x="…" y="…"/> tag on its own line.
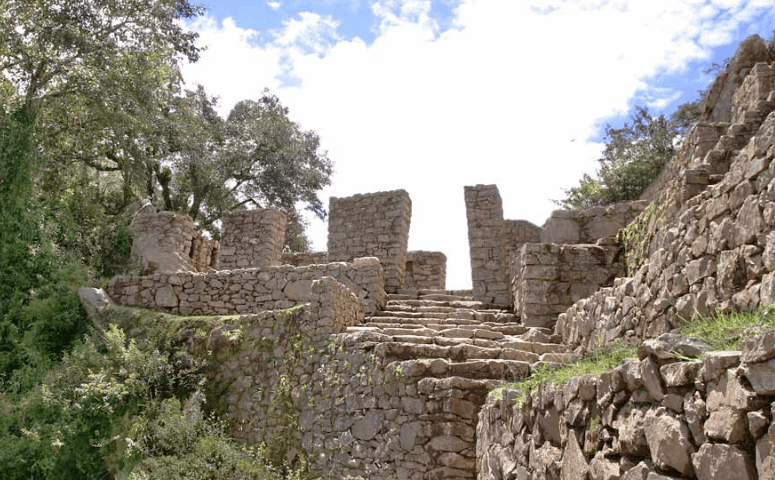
<point x="252" y="238"/>
<point x="248" y="290"/>
<point x="426" y="270"/>
<point x="492" y="243"/>
<point x="372" y="225"/>
<point x="591" y="224"/>
<point x="204" y="252"/>
<point x="301" y="259"/>
<point x="720" y="254"/>
<point x="297" y="382"/>
<point x="665" y="414"/>
<point x="549" y="278"/>
<point x="705" y="243"/>
<point x="169" y="242"/>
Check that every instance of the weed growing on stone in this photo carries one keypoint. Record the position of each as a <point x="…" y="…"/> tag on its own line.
<point x="605" y="360"/>
<point x="727" y="331"/>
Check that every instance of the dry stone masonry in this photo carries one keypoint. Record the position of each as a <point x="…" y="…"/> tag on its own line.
<point x="591" y="224"/>
<point x="672" y="414"/>
<point x="492" y="243"/>
<point x="246" y="290"/>
<point x="372" y="225"/>
<point x="426" y="270"/>
<point x="170" y="242"/>
<point x="252" y="238"/>
<point x="358" y="361"/>
<point x="550" y="277"/>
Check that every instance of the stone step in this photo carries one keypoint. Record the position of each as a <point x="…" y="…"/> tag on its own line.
<point x="495" y="369"/>
<point x="420" y="321"/>
<point x="413" y="292"/>
<point x="440" y="312"/>
<point x="403" y="350"/>
<point x="429" y="385"/>
<point x="470" y="304"/>
<point x="467" y="329"/>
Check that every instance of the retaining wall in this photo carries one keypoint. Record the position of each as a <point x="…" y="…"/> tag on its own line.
<point x="248" y="290"/>
<point x="549" y="278"/>
<point x="708" y="419"/>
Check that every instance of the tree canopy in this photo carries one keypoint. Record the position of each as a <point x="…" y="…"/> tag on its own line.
<point x="633" y="157"/>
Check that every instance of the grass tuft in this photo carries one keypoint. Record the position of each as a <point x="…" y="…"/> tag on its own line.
<point x="728" y="331"/>
<point x="607" y="359"/>
<point x="720" y="331"/>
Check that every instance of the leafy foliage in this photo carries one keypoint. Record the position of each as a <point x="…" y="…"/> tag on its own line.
<point x="256" y="157"/>
<point x="119" y="408"/>
<point x="633" y="157"/>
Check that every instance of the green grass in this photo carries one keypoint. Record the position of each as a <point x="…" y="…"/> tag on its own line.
<point x="720" y="331"/>
<point x="728" y="331"/>
<point x="607" y="359"/>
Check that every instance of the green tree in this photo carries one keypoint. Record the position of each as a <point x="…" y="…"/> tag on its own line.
<point x="256" y="157"/>
<point x="53" y="49"/>
<point x="633" y="157"/>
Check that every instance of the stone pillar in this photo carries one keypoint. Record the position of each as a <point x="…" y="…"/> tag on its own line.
<point x="372" y="225"/>
<point x="252" y="239"/>
<point x="489" y="264"/>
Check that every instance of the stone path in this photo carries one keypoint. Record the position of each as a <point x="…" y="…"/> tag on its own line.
<point x="440" y="333"/>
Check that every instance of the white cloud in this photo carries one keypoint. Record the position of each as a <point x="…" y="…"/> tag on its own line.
<point x="274" y="5"/>
<point x="509" y="96"/>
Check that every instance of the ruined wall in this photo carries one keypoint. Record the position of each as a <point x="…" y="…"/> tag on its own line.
<point x="372" y="225"/>
<point x="204" y="252"/>
<point x="169" y="242"/>
<point x="493" y="243"/>
<point x="426" y="270"/>
<point x="690" y="254"/>
<point x="301" y="259"/>
<point x="252" y="238"/>
<point x="248" y="290"/>
<point x="549" y="278"/>
<point x="484" y="211"/>
<point x="665" y="414"/>
<point x="591" y="224"/>
<point x="296" y="382"/>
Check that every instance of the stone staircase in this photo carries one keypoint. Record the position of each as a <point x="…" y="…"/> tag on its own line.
<point x="441" y="333"/>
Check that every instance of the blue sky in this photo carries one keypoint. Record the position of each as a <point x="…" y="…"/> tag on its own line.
<point x="432" y="95"/>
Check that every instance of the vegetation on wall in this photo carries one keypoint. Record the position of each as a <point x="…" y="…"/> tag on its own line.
<point x="93" y="117"/>
<point x="633" y="157"/>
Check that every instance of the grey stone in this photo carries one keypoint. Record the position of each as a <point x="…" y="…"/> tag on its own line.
<point x="166" y="297"/>
<point x="757" y="423"/>
<point x="638" y="472"/>
<point x="717" y="363"/>
<point x="665" y="346"/>
<point x="367" y="427"/>
<point x="760" y="348"/>
<point x="649" y="372"/>
<point x="409" y="433"/>
<point x="723" y="462"/>
<point x="761" y="376"/>
<point x="727" y="425"/>
<point x="669" y="442"/>
<point x="695" y="413"/>
<point x="601" y="468"/>
<point x="94" y="300"/>
<point x="680" y="373"/>
<point x="574" y="464"/>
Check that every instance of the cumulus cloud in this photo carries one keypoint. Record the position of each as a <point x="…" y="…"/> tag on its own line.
<point x="509" y="95"/>
<point x="274" y="5"/>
